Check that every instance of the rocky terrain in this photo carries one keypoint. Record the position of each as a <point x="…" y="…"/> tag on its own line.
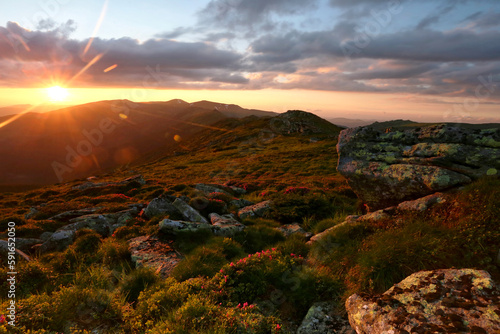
<point x="252" y="231"/>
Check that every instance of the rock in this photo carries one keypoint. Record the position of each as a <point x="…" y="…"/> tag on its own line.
<point x="438" y="301"/>
<point x="188" y="212"/>
<point x="213" y="188"/>
<point x="160" y="207"/>
<point x="320" y="236"/>
<point x="68" y="215"/>
<point x="321" y="319"/>
<point x="241" y="203"/>
<point x="58" y="241"/>
<point x="290" y="229"/>
<point x="45" y="236"/>
<point x="5" y="250"/>
<point x="91" y="185"/>
<point x="97" y="222"/>
<point x="256" y="210"/>
<point x="388" y="163"/>
<point x="225" y="225"/>
<point x="147" y="251"/>
<point x="25" y="244"/>
<point x="238" y="190"/>
<point x="31" y="213"/>
<point x="302" y="122"/>
<point x="177" y="226"/>
<point x="423" y="203"/>
<point x="374" y="216"/>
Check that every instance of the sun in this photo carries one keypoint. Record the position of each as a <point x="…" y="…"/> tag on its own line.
<point x="57" y="93"/>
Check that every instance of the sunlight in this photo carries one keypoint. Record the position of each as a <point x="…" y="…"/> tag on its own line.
<point x="57" y="93"/>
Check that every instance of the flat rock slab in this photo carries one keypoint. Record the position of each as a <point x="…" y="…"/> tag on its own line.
<point x="423" y="203"/>
<point x="153" y="253"/>
<point x="291" y="229"/>
<point x="175" y="227"/>
<point x="256" y="210"/>
<point x="188" y="212"/>
<point x="439" y="301"/>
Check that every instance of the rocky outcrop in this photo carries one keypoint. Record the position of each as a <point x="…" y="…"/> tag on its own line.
<point x="439" y="301"/>
<point x="58" y="241"/>
<point x="177" y="226"/>
<point x="256" y="210"/>
<point x="322" y="318"/>
<point x="188" y="212"/>
<point x="387" y="163"/>
<point x="423" y="203"/>
<point x="147" y="251"/>
<point x="224" y="225"/>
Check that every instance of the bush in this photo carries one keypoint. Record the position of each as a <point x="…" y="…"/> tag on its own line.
<point x="114" y="253"/>
<point x="292" y="207"/>
<point x="258" y="237"/>
<point x="87" y="241"/>
<point x="136" y="282"/>
<point x="203" y="261"/>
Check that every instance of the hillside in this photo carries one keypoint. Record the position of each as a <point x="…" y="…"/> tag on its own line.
<point x="43" y="148"/>
<point x="244" y="227"/>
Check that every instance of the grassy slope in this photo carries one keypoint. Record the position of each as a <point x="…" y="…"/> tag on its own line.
<point x="95" y="278"/>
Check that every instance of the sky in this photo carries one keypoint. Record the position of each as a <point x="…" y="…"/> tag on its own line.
<point x="426" y="60"/>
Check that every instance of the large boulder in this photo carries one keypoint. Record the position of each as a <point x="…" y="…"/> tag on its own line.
<point x="439" y="301"/>
<point x="188" y="212"/>
<point x="148" y="251"/>
<point x="388" y="163"/>
<point x="58" y="241"/>
<point x="177" y="226"/>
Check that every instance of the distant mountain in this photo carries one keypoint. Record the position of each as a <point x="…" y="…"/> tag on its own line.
<point x="74" y="142"/>
<point x="350" y="123"/>
<point x="19" y="108"/>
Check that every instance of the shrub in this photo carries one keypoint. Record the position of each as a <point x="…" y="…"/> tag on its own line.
<point x="114" y="253"/>
<point x="257" y="237"/>
<point x="136" y="282"/>
<point x="87" y="241"/>
<point x="291" y="207"/>
<point x="203" y="261"/>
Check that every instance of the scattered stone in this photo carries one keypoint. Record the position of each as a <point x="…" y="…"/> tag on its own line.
<point x="45" y="236"/>
<point x="147" y="251"/>
<point x="241" y="203"/>
<point x="320" y="236"/>
<point x="213" y="188"/>
<point x="177" y="226"/>
<point x="68" y="215"/>
<point x="97" y="222"/>
<point x="238" y="190"/>
<point x="225" y="225"/>
<point x="91" y="185"/>
<point x="290" y="229"/>
<point x="423" y="203"/>
<point x="438" y="301"/>
<point x="31" y="213"/>
<point x="387" y="163"/>
<point x="374" y="216"/>
<point x="256" y="210"/>
<point x="189" y="213"/>
<point x="160" y="207"/>
<point x="25" y="244"/>
<point x="58" y="241"/>
<point x="322" y="318"/>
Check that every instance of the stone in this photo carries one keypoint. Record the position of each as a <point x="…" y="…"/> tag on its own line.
<point x="438" y="301"/>
<point x="225" y="225"/>
<point x="177" y="226"/>
<point x="4" y="252"/>
<point x="148" y="251"/>
<point x="25" y="244"/>
<point x="388" y="163"/>
<point x="45" y="236"/>
<point x="423" y="203"/>
<point x="160" y="207"/>
<point x="256" y="210"/>
<point x="68" y="215"/>
<point x="213" y="188"/>
<point x="320" y="236"/>
<point x="98" y="222"/>
<point x="58" y="241"/>
<point x="291" y="229"/>
<point x="238" y="190"/>
<point x="322" y="318"/>
<point x="189" y="213"/>
<point x="91" y="185"/>
<point x="241" y="203"/>
<point x="374" y="216"/>
<point x="33" y="212"/>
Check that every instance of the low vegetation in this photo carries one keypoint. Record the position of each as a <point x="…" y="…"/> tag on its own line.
<point x="255" y="282"/>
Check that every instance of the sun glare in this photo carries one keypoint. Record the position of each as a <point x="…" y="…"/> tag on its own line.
<point x="57" y="93"/>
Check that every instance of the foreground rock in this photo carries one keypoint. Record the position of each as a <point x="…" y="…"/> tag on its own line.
<point x="387" y="163"/>
<point x="439" y="301"/>
<point x="225" y="225"/>
<point x="256" y="210"/>
<point x="58" y="241"/>
<point x="160" y="207"/>
<point x="176" y="227"/>
<point x="188" y="212"/>
<point x="153" y="253"/>
<point x="321" y="319"/>
<point x="291" y="229"/>
<point x="423" y="203"/>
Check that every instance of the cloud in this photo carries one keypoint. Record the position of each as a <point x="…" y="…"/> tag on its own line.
<point x="35" y="57"/>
